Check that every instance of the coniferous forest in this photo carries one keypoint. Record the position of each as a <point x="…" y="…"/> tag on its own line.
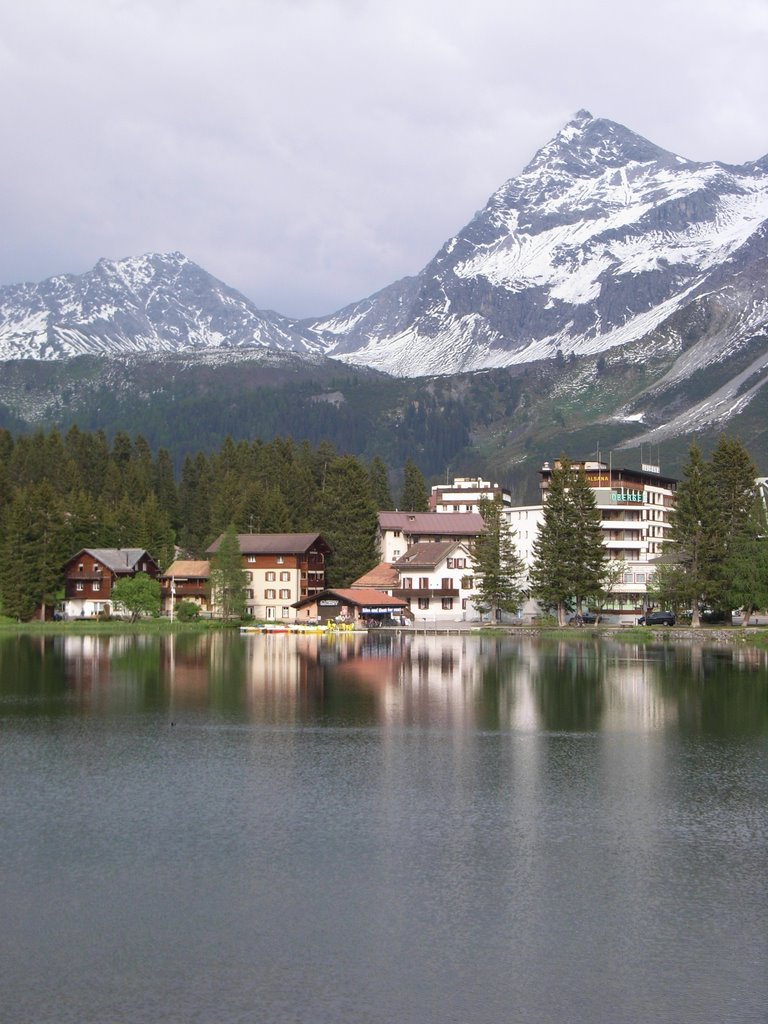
<point x="61" y="493"/>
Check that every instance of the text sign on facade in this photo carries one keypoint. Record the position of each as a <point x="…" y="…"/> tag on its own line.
<point x="329" y="604"/>
<point x="628" y="496"/>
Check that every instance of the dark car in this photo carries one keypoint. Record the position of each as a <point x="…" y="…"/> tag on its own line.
<point x="585" y="619"/>
<point x="657" y="619"/>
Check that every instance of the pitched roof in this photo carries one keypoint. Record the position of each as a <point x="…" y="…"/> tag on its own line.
<point x="190" y="570"/>
<point x="273" y="543"/>
<point x="362" y="596"/>
<point x="427" y="555"/>
<point x="116" y="559"/>
<point x="438" y="524"/>
<point x="381" y="576"/>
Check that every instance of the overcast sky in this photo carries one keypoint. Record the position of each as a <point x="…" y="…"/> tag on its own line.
<point x="310" y="152"/>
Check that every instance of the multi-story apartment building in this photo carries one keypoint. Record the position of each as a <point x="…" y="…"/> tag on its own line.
<point x="634" y="506"/>
<point x="400" y="530"/>
<point x="465" y="495"/>
<point x="282" y="568"/>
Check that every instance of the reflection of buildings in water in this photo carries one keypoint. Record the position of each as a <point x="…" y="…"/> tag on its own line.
<point x="186" y="665"/>
<point x="285" y="673"/>
<point x="633" y="696"/>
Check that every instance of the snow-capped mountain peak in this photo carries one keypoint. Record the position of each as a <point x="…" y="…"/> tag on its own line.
<point x="159" y="302"/>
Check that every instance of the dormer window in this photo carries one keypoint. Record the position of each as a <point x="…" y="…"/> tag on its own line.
<point x="80" y="567"/>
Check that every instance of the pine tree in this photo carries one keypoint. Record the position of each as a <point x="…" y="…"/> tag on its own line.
<point x="414" y="497"/>
<point x="227" y="577"/>
<point x="569" y="557"/>
<point x="379" y="477"/>
<point x="498" y="568"/>
<point x="732" y="476"/>
<point x="588" y="553"/>
<point x="35" y="546"/>
<point x="745" y="570"/>
<point x="348" y="521"/>
<point x="691" y="542"/>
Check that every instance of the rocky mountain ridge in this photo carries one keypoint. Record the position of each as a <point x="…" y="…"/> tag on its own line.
<point x="606" y="248"/>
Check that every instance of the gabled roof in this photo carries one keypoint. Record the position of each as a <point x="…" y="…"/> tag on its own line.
<point x="437" y="524"/>
<point x="428" y="555"/>
<point x="361" y="597"/>
<point x="381" y="576"/>
<point x="274" y="543"/>
<point x="199" y="570"/>
<point x="117" y="560"/>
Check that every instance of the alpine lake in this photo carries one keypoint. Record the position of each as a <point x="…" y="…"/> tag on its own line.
<point x="209" y="827"/>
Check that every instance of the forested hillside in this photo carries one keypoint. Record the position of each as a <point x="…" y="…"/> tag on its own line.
<point x="59" y="494"/>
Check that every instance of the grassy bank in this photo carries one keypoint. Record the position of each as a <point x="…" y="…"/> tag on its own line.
<point x="81" y="627"/>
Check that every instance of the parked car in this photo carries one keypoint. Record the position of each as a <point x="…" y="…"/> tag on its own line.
<point x="585" y="619"/>
<point x="657" y="619"/>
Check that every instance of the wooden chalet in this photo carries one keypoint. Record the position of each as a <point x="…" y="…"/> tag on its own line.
<point x="90" y="575"/>
<point x="185" y="580"/>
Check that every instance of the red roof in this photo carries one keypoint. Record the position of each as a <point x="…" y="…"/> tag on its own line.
<point x="381" y="576"/>
<point x="356" y="596"/>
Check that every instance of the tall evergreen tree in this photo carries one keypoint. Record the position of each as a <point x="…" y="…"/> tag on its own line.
<point x="588" y="554"/>
<point x="414" y="497"/>
<point x="732" y="476"/>
<point x="498" y="568"/>
<point x="569" y="557"/>
<point x="35" y="546"/>
<point x="227" y="577"/>
<point x="348" y="521"/>
<point x="379" y="477"/>
<point x="745" y="569"/>
<point x="691" y="542"/>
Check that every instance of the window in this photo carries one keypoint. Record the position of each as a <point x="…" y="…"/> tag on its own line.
<point x="280" y="560"/>
<point x="464" y="604"/>
<point x="269" y="595"/>
<point x="249" y="595"/>
<point x="270" y="613"/>
<point x="79" y="586"/>
<point x="80" y="567"/>
<point x="467" y="582"/>
<point x="396" y="553"/>
<point x="271" y="577"/>
<point x="447" y="604"/>
<point x="423" y="603"/>
<point x="285" y="576"/>
<point x="285" y="595"/>
<point x="450" y="563"/>
<point x="407" y="582"/>
<point x="96" y="585"/>
<point x="446" y="583"/>
<point x="423" y="582"/>
<point x="286" y="612"/>
<point x="251" y="558"/>
<point x="395" y="533"/>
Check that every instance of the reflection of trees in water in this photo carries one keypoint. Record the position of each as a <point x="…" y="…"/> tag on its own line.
<point x="568" y="683"/>
<point x="32" y="677"/>
<point x="718" y="691"/>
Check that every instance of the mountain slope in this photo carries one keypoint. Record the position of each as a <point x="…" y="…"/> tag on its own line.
<point x="153" y="303"/>
<point x="599" y="241"/>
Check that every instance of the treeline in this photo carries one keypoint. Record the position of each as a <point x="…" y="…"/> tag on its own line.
<point x="61" y="493"/>
<point x="716" y="558"/>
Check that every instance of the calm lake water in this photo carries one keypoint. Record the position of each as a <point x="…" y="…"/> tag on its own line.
<point x="279" y="829"/>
